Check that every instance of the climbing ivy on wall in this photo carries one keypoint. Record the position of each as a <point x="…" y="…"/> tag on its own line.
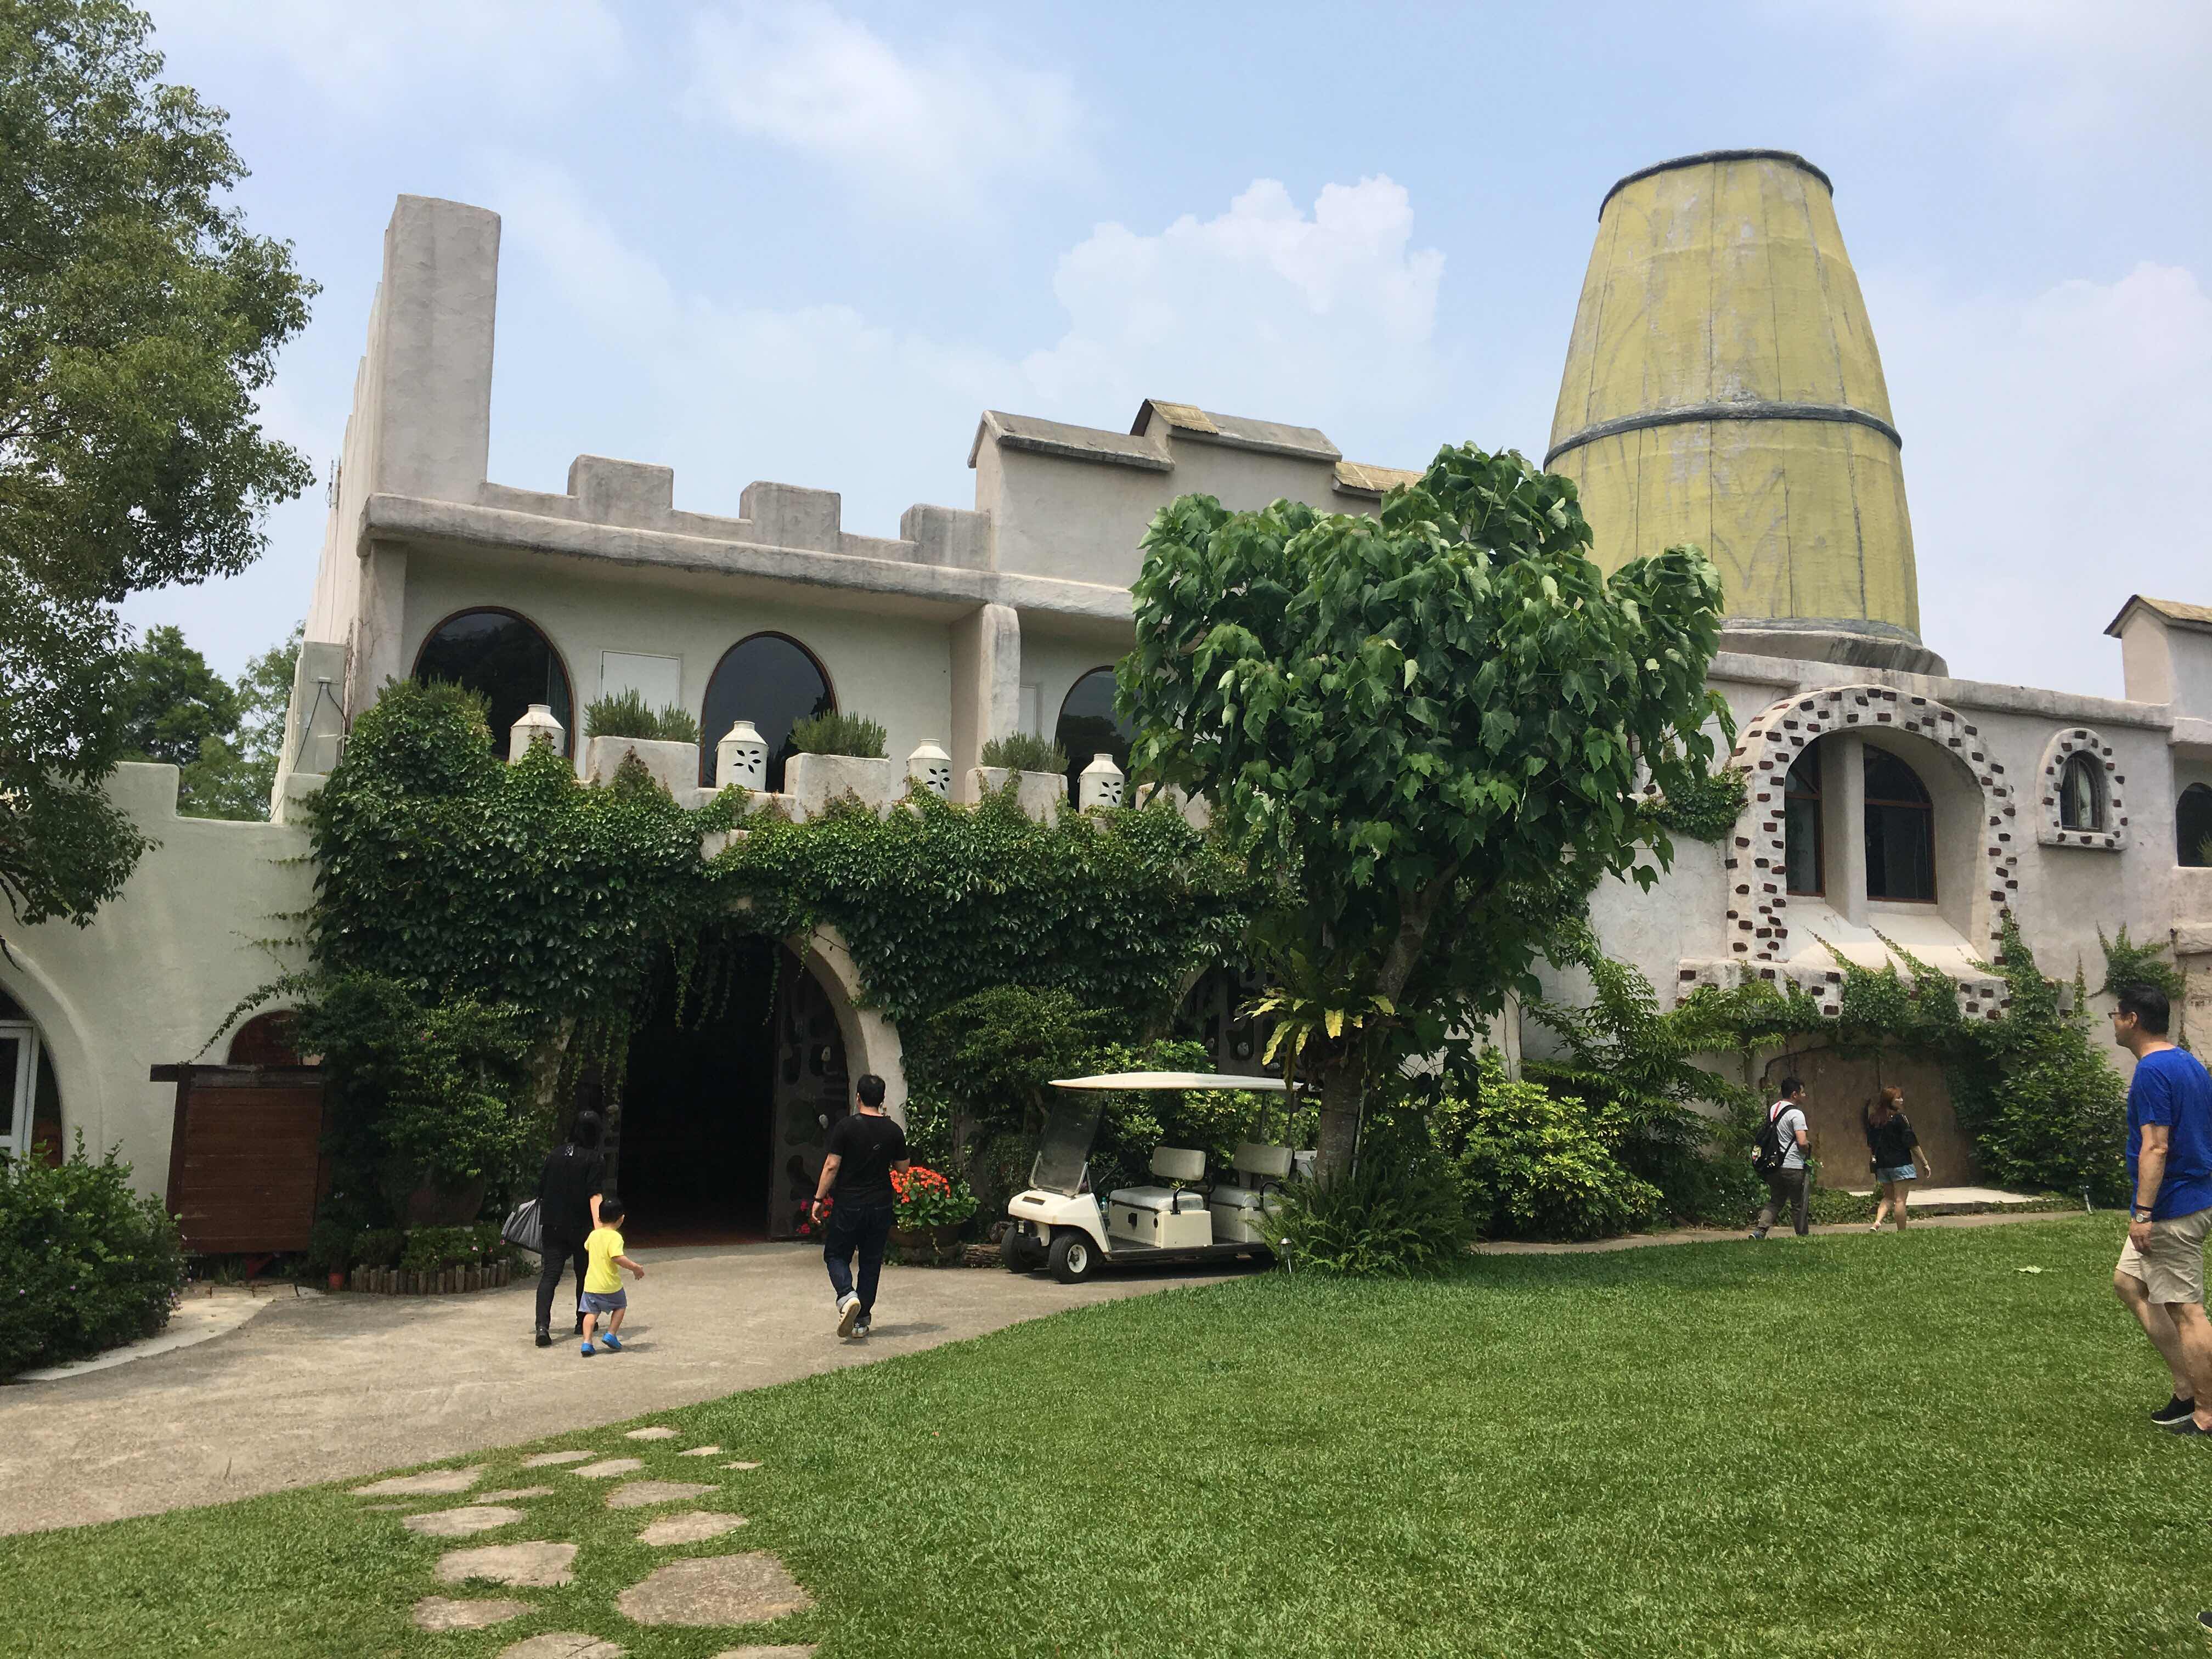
<point x="446" y="874"/>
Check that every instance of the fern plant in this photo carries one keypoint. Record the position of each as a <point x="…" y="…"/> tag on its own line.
<point x="627" y="714"/>
<point x="839" y="733"/>
<point x="1025" y="751"/>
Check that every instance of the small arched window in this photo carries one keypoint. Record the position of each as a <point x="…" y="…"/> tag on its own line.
<point x="266" y="1039"/>
<point x="504" y="658"/>
<point x="1900" y="831"/>
<point x="1089" y="727"/>
<point x="2193" y="827"/>
<point x="771" y="680"/>
<point x="2080" y="794"/>
<point x="1801" y="810"/>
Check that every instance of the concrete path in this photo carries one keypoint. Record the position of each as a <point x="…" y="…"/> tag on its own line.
<point x="322" y="1387"/>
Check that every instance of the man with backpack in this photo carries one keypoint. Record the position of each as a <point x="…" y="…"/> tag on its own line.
<point x="1778" y="1156"/>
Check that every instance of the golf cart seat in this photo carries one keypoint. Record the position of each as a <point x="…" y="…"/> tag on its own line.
<point x="1169" y="1163"/>
<point x="1239" y="1209"/>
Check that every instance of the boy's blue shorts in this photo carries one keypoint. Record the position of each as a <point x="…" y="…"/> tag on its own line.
<point x="602" y="1302"/>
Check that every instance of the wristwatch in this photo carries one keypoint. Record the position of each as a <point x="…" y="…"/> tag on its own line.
<point x="2140" y="1211"/>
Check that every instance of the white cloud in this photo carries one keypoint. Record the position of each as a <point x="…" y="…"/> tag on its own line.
<point x="930" y="128"/>
<point x="1262" y="311"/>
<point x="2054" y="455"/>
<point x="1265" y="310"/>
<point x="361" y="57"/>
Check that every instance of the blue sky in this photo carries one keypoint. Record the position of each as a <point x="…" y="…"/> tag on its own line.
<point x="810" y="242"/>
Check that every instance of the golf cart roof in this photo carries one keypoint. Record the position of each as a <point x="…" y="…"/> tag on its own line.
<point x="1265" y="1086"/>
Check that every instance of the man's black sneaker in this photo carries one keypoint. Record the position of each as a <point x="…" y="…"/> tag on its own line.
<point x="2172" y="1412"/>
<point x="861" y="1329"/>
<point x="2184" y="1425"/>
<point x="544" y="1337"/>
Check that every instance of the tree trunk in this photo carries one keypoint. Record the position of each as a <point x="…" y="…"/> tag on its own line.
<point x="1343" y="1091"/>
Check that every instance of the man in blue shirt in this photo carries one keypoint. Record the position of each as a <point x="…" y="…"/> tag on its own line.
<point x="2160" y="1276"/>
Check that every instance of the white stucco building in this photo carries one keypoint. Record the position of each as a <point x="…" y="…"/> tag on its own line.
<point x="1931" y="804"/>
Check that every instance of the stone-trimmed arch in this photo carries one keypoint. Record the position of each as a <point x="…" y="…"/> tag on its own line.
<point x="1759" y="906"/>
<point x="872" y="1043"/>
<point x="2049" y="826"/>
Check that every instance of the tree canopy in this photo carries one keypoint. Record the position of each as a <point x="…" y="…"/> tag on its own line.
<point x="142" y="316"/>
<point x="1435" y="724"/>
<point x="222" y="738"/>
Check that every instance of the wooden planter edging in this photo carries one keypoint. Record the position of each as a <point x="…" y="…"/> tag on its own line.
<point x="449" y="1281"/>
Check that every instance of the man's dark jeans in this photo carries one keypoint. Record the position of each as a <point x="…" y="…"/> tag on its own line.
<point x="864" y="1229"/>
<point x="558" y="1253"/>
<point x="1785" y="1190"/>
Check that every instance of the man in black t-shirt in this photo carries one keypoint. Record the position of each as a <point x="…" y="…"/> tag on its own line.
<point x="864" y="1149"/>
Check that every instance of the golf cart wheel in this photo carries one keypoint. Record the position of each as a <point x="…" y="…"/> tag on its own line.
<point x="1019" y="1256"/>
<point x="1073" y="1259"/>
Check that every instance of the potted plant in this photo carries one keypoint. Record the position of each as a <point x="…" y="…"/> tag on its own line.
<point x="1037" y="766"/>
<point x="931" y="1209"/>
<point x="664" y="740"/>
<point x="838" y="755"/>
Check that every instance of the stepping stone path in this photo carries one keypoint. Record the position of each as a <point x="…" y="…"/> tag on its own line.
<point x="563" y="1644"/>
<point x="740" y="1465"/>
<point x="651" y="1434"/>
<point x="701" y="1451"/>
<point x="547" y="1460"/>
<point x="513" y="1494"/>
<point x="460" y="1522"/>
<point x="715" y="1589"/>
<point x="692" y="1529"/>
<point x="525" y="1566"/>
<point x="442" y="1612"/>
<point x="637" y="1494"/>
<point x="606" y="1466"/>
<point x="437" y="1483"/>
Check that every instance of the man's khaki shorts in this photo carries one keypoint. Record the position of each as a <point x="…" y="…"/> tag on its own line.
<point x="2173" y="1268"/>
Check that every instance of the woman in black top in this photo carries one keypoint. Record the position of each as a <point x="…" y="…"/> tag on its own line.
<point x="569" y="1191"/>
<point x="1894" y="1149"/>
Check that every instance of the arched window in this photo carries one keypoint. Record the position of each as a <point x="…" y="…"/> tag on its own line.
<point x="265" y="1040"/>
<point x="1801" y="809"/>
<point x="774" y="682"/>
<point x="2080" y="794"/>
<point x="504" y="658"/>
<point x="1089" y="727"/>
<point x="1901" y="831"/>
<point x="2193" y="827"/>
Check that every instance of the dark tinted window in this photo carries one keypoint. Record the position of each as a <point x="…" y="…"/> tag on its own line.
<point x="1800" y="823"/>
<point x="1089" y="727"/>
<point x="771" y="681"/>
<point x="2080" y="796"/>
<point x="1901" y="831"/>
<point x="509" y="661"/>
<point x="2192" y="824"/>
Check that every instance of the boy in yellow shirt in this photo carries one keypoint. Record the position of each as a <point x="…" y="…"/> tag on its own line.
<point x="603" y="1286"/>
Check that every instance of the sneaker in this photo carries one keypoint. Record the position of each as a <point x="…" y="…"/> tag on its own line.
<point x="2185" y="1425"/>
<point x="579" y="1322"/>
<point x="544" y="1337"/>
<point x="1754" y="1238"/>
<point x="588" y="1351"/>
<point x="611" y="1343"/>
<point x="861" y="1328"/>
<point x="2172" y="1412"/>
<point x="848" y="1313"/>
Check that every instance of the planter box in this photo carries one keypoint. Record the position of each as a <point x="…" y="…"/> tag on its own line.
<point x="674" y="766"/>
<point x="815" y="781"/>
<point x="927" y="1247"/>
<point x="1042" y="793"/>
<point x="450" y="1281"/>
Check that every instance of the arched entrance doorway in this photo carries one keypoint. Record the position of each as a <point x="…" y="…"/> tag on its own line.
<point x="30" y="1101"/>
<point x="722" y="1121"/>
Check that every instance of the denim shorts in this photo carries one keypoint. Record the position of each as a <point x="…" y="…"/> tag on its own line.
<point x="1898" y="1172"/>
<point x="599" y="1302"/>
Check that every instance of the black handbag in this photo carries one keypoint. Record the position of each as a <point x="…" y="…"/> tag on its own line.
<point x="523" y="1229"/>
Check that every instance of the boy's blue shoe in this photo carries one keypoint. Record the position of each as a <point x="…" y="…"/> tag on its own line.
<point x="589" y="1351"/>
<point x="611" y="1343"/>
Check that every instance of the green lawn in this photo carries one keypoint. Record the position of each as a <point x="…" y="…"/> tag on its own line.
<point x="1883" y="1446"/>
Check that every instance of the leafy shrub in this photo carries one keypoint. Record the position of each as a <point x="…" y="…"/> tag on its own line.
<point x="627" y="714"/>
<point x="376" y="1247"/>
<point x="926" y="1198"/>
<point x="1025" y="751"/>
<point x="1532" y="1165"/>
<point x="89" y="1261"/>
<point x="839" y="733"/>
<point x="1398" y="1212"/>
<point x="433" y="1250"/>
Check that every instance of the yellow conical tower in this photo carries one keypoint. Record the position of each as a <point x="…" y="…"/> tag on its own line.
<point x="1723" y="388"/>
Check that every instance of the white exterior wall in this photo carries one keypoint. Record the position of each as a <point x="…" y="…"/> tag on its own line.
<point x="148" y="983"/>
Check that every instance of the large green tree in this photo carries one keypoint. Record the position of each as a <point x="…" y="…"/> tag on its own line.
<point x="1434" y="725"/>
<point x="138" y="318"/>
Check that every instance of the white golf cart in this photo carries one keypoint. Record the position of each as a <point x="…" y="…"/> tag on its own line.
<point x="1059" y="1222"/>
